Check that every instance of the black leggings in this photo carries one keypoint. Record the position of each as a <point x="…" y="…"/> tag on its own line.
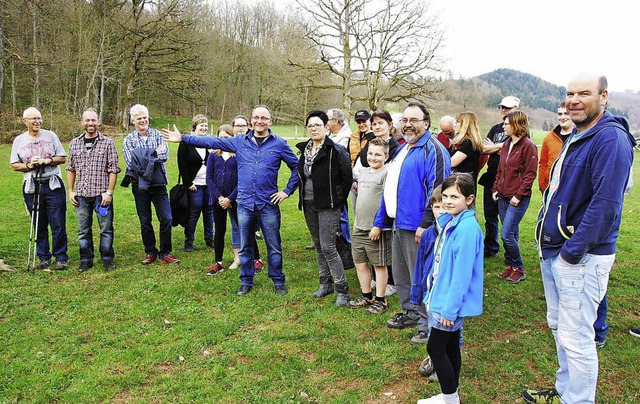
<point x="444" y="349"/>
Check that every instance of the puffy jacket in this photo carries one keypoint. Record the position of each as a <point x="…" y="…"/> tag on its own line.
<point x="551" y="147"/>
<point x="581" y="213"/>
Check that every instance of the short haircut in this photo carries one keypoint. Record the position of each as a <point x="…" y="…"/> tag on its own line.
<point x="197" y="120"/>
<point x="562" y="105"/>
<point x="449" y="119"/>
<point x="226" y="128"/>
<point x="337" y="114"/>
<point x="376" y="141"/>
<point x="436" y="195"/>
<point x="235" y="118"/>
<point x="138" y="109"/>
<point x="28" y="110"/>
<point x="519" y="121"/>
<point x="424" y="110"/>
<point x="317" y="113"/>
<point x="602" y="84"/>
<point x="382" y="114"/>
<point x="262" y="106"/>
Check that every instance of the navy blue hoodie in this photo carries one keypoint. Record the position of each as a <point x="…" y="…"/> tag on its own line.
<point x="583" y="215"/>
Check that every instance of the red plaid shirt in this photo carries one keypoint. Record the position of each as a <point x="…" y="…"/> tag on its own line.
<point x="92" y="167"/>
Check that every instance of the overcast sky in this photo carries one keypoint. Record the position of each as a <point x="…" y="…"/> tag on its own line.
<point x="551" y="39"/>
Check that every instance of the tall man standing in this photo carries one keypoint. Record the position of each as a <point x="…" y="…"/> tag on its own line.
<point x="37" y="154"/>
<point x="577" y="232"/>
<point x="492" y="146"/>
<point x="260" y="153"/>
<point x="145" y="153"/>
<point x="92" y="171"/>
<point x="419" y="165"/>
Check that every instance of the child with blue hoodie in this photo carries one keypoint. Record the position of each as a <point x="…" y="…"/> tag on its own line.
<point x="454" y="283"/>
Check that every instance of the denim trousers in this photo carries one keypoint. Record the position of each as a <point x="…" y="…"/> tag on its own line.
<point x="156" y="195"/>
<point x="600" y="326"/>
<point x="268" y="217"/>
<point x="345" y="224"/>
<point x="52" y="213"/>
<point x="573" y="294"/>
<point x="199" y="204"/>
<point x="511" y="216"/>
<point x="84" y="213"/>
<point x="323" y="227"/>
<point x="491" y="246"/>
<point x="220" y="221"/>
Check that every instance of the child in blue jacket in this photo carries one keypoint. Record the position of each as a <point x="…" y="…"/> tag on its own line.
<point x="454" y="282"/>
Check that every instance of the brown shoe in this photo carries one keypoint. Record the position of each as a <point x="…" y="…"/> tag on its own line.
<point x="507" y="273"/>
<point x="169" y="259"/>
<point x="310" y="247"/>
<point x="149" y="259"/>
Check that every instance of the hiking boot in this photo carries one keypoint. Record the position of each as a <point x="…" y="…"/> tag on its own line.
<point x="342" y="300"/>
<point x="360" y="302"/>
<point x="85" y="266"/>
<point x="377" y="307"/>
<point x="44" y="264"/>
<point x="506" y="273"/>
<point x="188" y="247"/>
<point x="281" y="290"/>
<point x="426" y="368"/>
<point x="545" y="396"/>
<point x="108" y="265"/>
<point x="420" y="338"/>
<point x="516" y="276"/>
<point x="325" y="289"/>
<point x="258" y="266"/>
<point x="169" y="259"/>
<point x="209" y="243"/>
<point x="244" y="289"/>
<point x="62" y="265"/>
<point x="149" y="259"/>
<point x="401" y="320"/>
<point x="215" y="268"/>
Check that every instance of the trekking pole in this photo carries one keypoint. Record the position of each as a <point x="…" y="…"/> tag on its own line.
<point x="35" y="216"/>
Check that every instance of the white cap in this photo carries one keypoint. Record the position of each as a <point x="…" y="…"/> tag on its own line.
<point x="510" y="102"/>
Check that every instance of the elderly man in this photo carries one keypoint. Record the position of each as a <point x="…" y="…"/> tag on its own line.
<point x="260" y="153"/>
<point x="37" y="154"/>
<point x="92" y="171"/>
<point x="577" y="233"/>
<point x="418" y="166"/>
<point x="447" y="130"/>
<point x="339" y="130"/>
<point x="492" y="146"/>
<point x="145" y="153"/>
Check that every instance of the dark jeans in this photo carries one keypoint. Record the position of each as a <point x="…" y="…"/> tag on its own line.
<point x="444" y="349"/>
<point x="220" y="221"/>
<point x="156" y="195"/>
<point x="84" y="214"/>
<point x="345" y="225"/>
<point x="269" y="219"/>
<point x="511" y="216"/>
<point x="199" y="204"/>
<point x="323" y="226"/>
<point x="53" y="209"/>
<point x="600" y="326"/>
<point x="491" y="246"/>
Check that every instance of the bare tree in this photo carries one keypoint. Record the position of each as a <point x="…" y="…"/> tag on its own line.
<point x="384" y="51"/>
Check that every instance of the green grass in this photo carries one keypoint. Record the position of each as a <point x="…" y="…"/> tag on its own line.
<point x="171" y="334"/>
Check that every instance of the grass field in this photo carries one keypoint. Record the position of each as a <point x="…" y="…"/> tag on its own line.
<point x="172" y="334"/>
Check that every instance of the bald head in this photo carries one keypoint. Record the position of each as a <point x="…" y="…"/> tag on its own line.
<point x="586" y="99"/>
<point x="448" y="126"/>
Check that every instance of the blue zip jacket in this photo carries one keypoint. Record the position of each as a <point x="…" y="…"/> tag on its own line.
<point x="257" y="165"/>
<point x="459" y="287"/>
<point x="583" y="214"/>
<point x="426" y="166"/>
<point x="424" y="264"/>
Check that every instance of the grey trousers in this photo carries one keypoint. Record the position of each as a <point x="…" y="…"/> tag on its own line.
<point x="403" y="259"/>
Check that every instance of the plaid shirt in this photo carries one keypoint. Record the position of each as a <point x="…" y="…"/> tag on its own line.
<point x="153" y="140"/>
<point x="92" y="167"/>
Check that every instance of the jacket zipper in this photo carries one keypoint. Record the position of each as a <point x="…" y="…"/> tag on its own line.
<point x="559" y="226"/>
<point x="330" y="185"/>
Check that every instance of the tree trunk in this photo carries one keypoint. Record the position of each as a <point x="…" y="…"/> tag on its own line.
<point x="36" y="57"/>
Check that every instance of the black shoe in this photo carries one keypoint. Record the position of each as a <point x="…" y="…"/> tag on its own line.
<point x="402" y="320"/>
<point x="108" y="265"/>
<point x="188" y="247"/>
<point x="281" y="290"/>
<point x="210" y="243"/>
<point x="85" y="266"/>
<point x="420" y="338"/>
<point x="488" y="254"/>
<point x="244" y="289"/>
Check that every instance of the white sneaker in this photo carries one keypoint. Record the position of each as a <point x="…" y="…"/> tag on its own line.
<point x="234" y="265"/>
<point x="439" y="399"/>
<point x="373" y="284"/>
<point x="391" y="289"/>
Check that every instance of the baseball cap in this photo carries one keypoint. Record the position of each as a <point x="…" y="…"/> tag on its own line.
<point x="102" y="210"/>
<point x="362" y="115"/>
<point x="510" y="102"/>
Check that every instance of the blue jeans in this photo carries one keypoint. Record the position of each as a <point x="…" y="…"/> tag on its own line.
<point x="199" y="203"/>
<point x="511" y="216"/>
<point x="53" y="213"/>
<point x="345" y="225"/>
<point x="600" y="326"/>
<point x="156" y="195"/>
<point x="84" y="214"/>
<point x="491" y="246"/>
<point x="573" y="294"/>
<point x="269" y="219"/>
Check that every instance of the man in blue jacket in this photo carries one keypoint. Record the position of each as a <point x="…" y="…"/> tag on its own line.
<point x="577" y="231"/>
<point x="419" y="165"/>
<point x="259" y="153"/>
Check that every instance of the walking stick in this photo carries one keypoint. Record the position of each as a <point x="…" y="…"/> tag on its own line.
<point x="35" y="216"/>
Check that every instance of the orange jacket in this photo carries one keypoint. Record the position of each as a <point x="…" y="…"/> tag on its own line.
<point x="551" y="148"/>
<point x="356" y="143"/>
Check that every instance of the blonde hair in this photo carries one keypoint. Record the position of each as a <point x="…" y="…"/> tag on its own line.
<point x="469" y="130"/>
<point x="228" y="129"/>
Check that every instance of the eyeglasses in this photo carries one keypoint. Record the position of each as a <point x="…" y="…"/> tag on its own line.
<point x="240" y="126"/>
<point x="34" y="119"/>
<point x="261" y="118"/>
<point x="315" y="126"/>
<point x="412" y="121"/>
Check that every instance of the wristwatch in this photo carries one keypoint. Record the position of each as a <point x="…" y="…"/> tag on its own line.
<point x="109" y="193"/>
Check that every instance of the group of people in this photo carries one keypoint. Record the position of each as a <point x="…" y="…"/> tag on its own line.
<point x="413" y="198"/>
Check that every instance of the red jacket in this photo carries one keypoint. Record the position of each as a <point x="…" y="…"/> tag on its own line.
<point x="516" y="170"/>
<point x="551" y="148"/>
